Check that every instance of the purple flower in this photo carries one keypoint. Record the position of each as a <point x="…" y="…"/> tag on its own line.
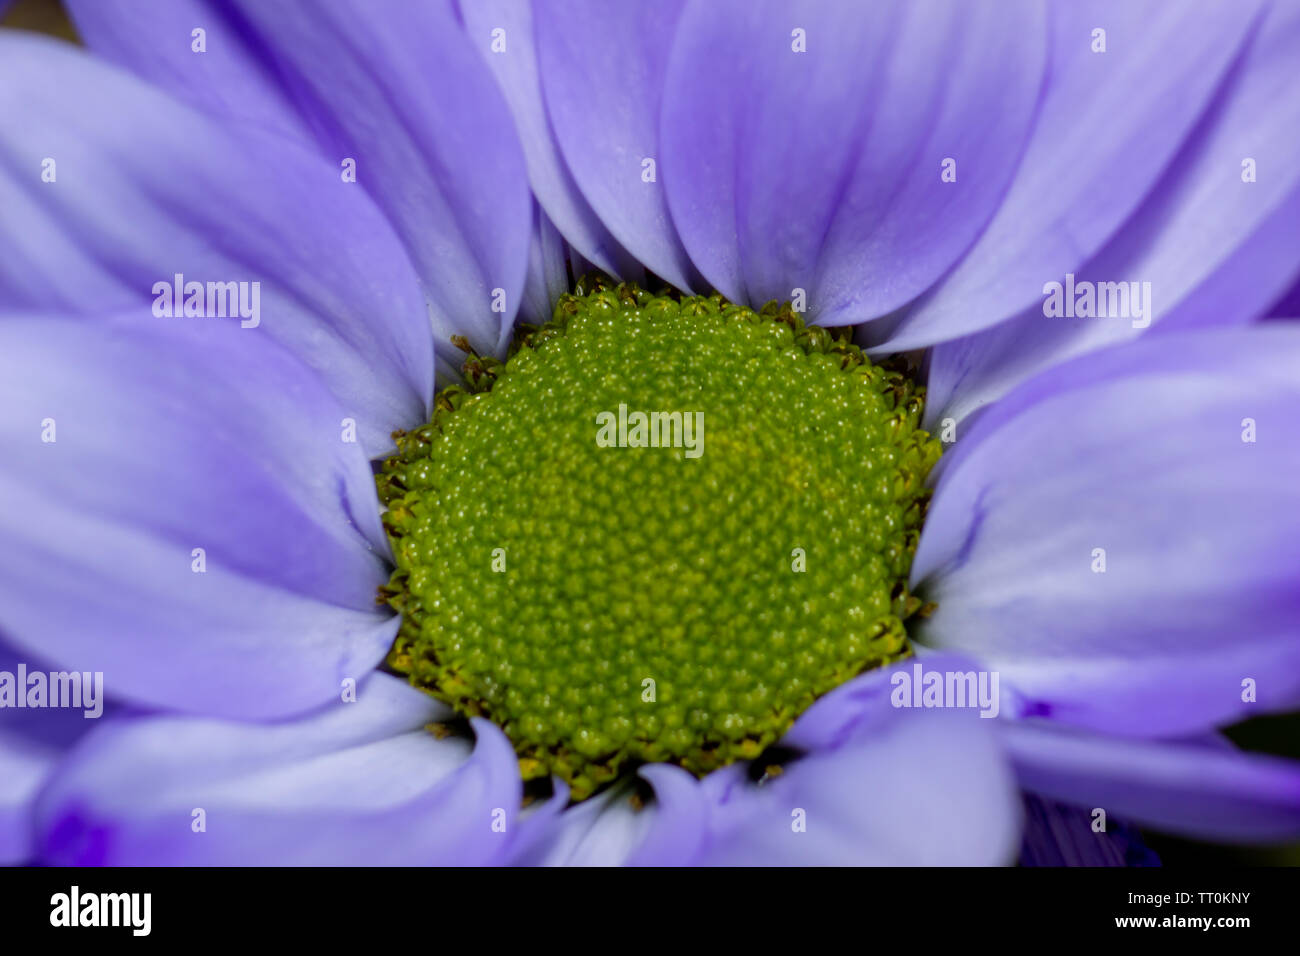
<point x="1113" y="530"/>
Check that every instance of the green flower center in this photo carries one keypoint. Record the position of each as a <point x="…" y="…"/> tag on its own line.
<point x="658" y="532"/>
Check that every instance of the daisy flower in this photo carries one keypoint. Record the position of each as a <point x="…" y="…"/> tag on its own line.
<point x="852" y="425"/>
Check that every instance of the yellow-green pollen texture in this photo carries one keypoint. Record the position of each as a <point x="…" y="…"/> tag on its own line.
<point x="610" y="597"/>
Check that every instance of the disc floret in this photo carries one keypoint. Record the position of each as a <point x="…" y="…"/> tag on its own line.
<point x="609" y="604"/>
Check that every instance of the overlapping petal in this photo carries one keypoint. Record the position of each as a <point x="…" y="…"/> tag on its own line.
<point x="602" y="67"/>
<point x="503" y="31"/>
<point x="1058" y="834"/>
<point x="201" y="51"/>
<point x="617" y="828"/>
<point x="1111" y="122"/>
<point x="1214" y="241"/>
<point x="33" y="740"/>
<point x="184" y="512"/>
<point x="1118" y="537"/>
<point x="548" y="276"/>
<point x="356" y="783"/>
<point x="445" y="166"/>
<point x="1190" y="787"/>
<point x="879" y="785"/>
<point x="111" y="190"/>
<point x="804" y="145"/>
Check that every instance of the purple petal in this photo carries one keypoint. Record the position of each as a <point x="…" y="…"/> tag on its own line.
<point x="1188" y="237"/>
<point x="1057" y="834"/>
<point x="821" y="170"/>
<point x="849" y="710"/>
<point x="445" y="165"/>
<point x="230" y="77"/>
<point x="601" y="831"/>
<point x="360" y="783"/>
<point x="32" y="742"/>
<point x="1215" y="250"/>
<point x="1109" y="125"/>
<point x="536" y="827"/>
<point x="548" y="276"/>
<point x="608" y="60"/>
<point x="24" y="767"/>
<point x="615" y="829"/>
<point x="681" y="816"/>
<point x="881" y="786"/>
<point x="146" y="189"/>
<point x="51" y="726"/>
<point x="1139" y="451"/>
<point x="1176" y="786"/>
<point x="129" y="448"/>
<point x="1251" y="278"/>
<point x="1288" y="306"/>
<point x="516" y="71"/>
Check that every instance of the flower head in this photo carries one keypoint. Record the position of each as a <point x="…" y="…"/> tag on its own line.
<point x="243" y="240"/>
